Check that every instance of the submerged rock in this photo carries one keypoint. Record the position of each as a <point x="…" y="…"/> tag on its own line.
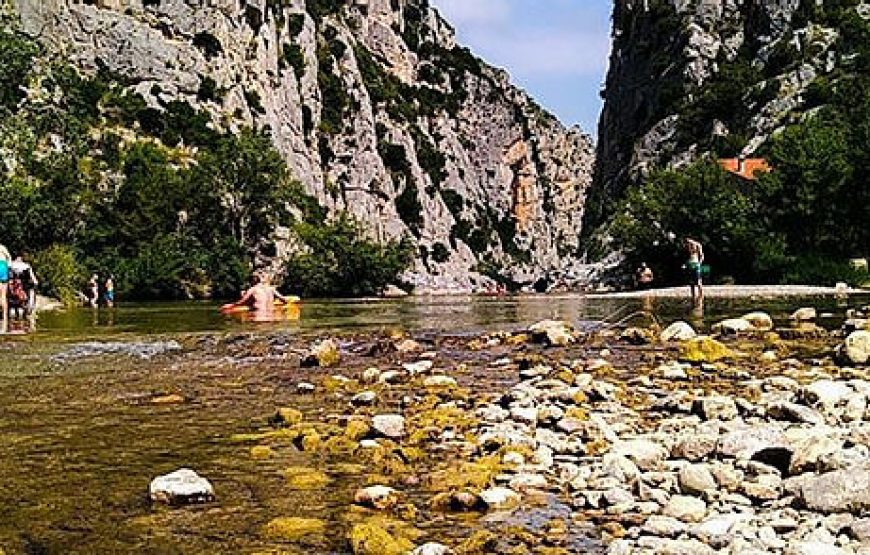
<point x="293" y="529"/>
<point x="184" y="486"/>
<point x="371" y="539"/>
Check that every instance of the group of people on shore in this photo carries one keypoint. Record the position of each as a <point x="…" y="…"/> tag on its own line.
<point x="17" y="287"/>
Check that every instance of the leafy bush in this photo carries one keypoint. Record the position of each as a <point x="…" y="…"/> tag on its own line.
<point x="59" y="272"/>
<point x="821" y="270"/>
<point x="340" y="262"/>
<point x="17" y="54"/>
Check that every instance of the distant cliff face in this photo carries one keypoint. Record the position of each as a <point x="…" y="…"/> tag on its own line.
<point x="375" y="109"/>
<point x="690" y="77"/>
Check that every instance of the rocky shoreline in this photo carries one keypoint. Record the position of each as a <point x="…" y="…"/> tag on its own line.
<point x="631" y="441"/>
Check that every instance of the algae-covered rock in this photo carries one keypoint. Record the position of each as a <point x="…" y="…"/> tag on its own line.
<point x="357" y="429"/>
<point x="293" y="529"/>
<point x="287" y="416"/>
<point x="302" y="478"/>
<point x="482" y="541"/>
<point x="261" y="452"/>
<point x="323" y="354"/>
<point x="371" y="539"/>
<point x="704" y="349"/>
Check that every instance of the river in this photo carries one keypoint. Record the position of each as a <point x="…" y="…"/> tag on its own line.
<point x="84" y="427"/>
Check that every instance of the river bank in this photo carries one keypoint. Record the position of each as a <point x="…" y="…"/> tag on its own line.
<point x="549" y="440"/>
<point x="740" y="292"/>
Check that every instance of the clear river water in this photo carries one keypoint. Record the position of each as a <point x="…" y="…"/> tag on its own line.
<point x="82" y="432"/>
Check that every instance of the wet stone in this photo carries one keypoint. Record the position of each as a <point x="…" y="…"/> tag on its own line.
<point x="184" y="486"/>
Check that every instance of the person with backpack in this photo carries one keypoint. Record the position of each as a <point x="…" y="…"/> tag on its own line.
<point x="22" y="275"/>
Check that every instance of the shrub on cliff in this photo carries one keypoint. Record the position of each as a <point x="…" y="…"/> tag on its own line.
<point x="340" y="262"/>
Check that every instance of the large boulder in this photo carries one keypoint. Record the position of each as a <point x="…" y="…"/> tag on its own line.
<point x="716" y="407"/>
<point x="841" y="491"/>
<point x="184" y="486"/>
<point x="856" y="349"/>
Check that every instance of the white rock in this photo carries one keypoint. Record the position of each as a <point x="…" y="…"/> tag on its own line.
<point x="804" y="314"/>
<point x="678" y="331"/>
<point x="439" y="381"/>
<point x="432" y="548"/>
<point x="364" y="398"/>
<point x="389" y="425"/>
<point x="685" y="508"/>
<point x="759" y="320"/>
<point x="857" y="347"/>
<point x="499" y="498"/>
<point x="419" y="367"/>
<point x="180" y="487"/>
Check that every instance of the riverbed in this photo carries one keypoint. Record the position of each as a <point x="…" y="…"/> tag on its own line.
<point x="96" y="403"/>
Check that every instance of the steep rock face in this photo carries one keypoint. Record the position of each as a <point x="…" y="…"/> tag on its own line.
<point x="689" y="77"/>
<point x="375" y="109"/>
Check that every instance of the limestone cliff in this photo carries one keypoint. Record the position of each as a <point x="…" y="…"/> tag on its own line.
<point x="689" y="77"/>
<point x="375" y="108"/>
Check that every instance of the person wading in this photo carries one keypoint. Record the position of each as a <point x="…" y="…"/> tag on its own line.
<point x="695" y="252"/>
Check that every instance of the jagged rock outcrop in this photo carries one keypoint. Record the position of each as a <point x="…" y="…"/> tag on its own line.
<point x="375" y="109"/>
<point x="689" y="77"/>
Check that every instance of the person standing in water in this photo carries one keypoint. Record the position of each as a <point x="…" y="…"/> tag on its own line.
<point x="109" y="291"/>
<point x="261" y="297"/>
<point x="93" y="291"/>
<point x="5" y="261"/>
<point x="23" y="271"/>
<point x="695" y="251"/>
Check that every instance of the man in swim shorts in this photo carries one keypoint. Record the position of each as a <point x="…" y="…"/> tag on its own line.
<point x="693" y="266"/>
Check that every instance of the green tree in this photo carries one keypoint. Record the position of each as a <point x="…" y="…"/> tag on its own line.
<point x="340" y="262"/>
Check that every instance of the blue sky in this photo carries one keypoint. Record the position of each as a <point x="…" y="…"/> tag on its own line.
<point x="555" y="49"/>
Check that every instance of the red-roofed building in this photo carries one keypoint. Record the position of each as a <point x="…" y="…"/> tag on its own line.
<point x="747" y="168"/>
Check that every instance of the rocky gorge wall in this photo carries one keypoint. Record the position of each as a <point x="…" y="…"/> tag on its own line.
<point x="691" y="77"/>
<point x="376" y="110"/>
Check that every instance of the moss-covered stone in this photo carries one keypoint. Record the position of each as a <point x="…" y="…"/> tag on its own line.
<point x="482" y="541"/>
<point x="704" y="349"/>
<point x="302" y="478"/>
<point x="357" y="429"/>
<point x="287" y="416"/>
<point x="261" y="452"/>
<point x="371" y="539"/>
<point x="293" y="529"/>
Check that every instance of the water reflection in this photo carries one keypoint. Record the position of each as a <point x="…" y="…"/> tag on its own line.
<point x="436" y="314"/>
